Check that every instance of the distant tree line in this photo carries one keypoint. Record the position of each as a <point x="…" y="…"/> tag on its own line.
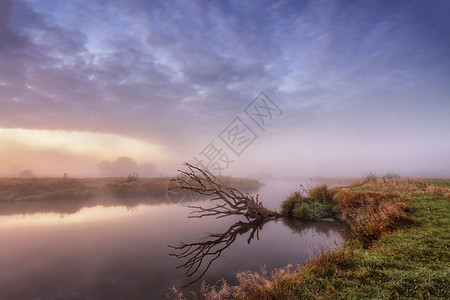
<point x="124" y="166"/>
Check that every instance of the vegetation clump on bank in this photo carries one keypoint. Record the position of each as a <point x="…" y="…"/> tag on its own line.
<point x="312" y="203"/>
<point x="400" y="249"/>
<point x="371" y="208"/>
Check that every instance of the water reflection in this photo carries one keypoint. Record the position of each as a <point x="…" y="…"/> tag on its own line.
<point x="209" y="248"/>
<point x="198" y="256"/>
<point x="327" y="228"/>
<point x="85" y="215"/>
<point x="117" y="248"/>
<point x="65" y="207"/>
<point x="34" y="213"/>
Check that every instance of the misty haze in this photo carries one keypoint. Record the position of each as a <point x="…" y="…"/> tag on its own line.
<point x="224" y="150"/>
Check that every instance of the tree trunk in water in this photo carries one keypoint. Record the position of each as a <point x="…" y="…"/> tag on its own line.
<point x="228" y="201"/>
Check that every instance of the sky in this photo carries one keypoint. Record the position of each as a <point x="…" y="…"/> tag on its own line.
<point x="282" y="88"/>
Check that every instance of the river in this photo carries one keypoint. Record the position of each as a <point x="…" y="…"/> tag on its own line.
<point x="121" y="252"/>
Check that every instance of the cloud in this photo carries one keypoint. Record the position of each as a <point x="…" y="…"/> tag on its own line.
<point x="175" y="74"/>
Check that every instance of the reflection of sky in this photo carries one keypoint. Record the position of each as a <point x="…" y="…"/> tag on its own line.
<point x="100" y="250"/>
<point x="85" y="215"/>
<point x="364" y="85"/>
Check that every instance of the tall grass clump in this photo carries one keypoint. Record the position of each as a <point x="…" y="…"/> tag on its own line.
<point x="392" y="175"/>
<point x="371" y="177"/>
<point x="133" y="177"/>
<point x="252" y="285"/>
<point x="314" y="202"/>
<point x="372" y="211"/>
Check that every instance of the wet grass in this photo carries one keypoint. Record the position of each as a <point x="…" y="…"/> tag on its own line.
<point x="401" y="249"/>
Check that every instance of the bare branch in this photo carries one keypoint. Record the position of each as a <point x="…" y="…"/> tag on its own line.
<point x="231" y="201"/>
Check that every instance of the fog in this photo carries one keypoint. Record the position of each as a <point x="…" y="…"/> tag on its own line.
<point x="288" y="154"/>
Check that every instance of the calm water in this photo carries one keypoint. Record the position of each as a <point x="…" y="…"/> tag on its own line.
<point x="118" y="252"/>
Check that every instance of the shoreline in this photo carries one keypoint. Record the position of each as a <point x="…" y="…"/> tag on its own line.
<point x="407" y="260"/>
<point x="28" y="195"/>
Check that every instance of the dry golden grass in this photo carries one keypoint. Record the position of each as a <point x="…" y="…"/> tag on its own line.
<point x="252" y="285"/>
<point x="374" y="208"/>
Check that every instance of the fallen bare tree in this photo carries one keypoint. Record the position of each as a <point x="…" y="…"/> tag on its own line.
<point x="208" y="249"/>
<point x="229" y="201"/>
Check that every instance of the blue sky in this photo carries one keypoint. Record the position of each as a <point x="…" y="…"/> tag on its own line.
<point x="363" y="85"/>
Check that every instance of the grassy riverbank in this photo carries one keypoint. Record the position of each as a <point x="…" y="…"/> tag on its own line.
<point x="401" y="249"/>
<point x="43" y="189"/>
<point x="35" y="189"/>
<point x="65" y="196"/>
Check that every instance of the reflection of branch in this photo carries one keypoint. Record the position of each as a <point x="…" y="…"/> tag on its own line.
<point x="233" y="202"/>
<point x="211" y="247"/>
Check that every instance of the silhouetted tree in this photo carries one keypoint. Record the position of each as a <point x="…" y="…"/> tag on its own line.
<point x="124" y="166"/>
<point x="26" y="174"/>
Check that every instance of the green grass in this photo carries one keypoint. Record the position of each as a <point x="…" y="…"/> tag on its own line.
<point x="311" y="204"/>
<point x="408" y="258"/>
